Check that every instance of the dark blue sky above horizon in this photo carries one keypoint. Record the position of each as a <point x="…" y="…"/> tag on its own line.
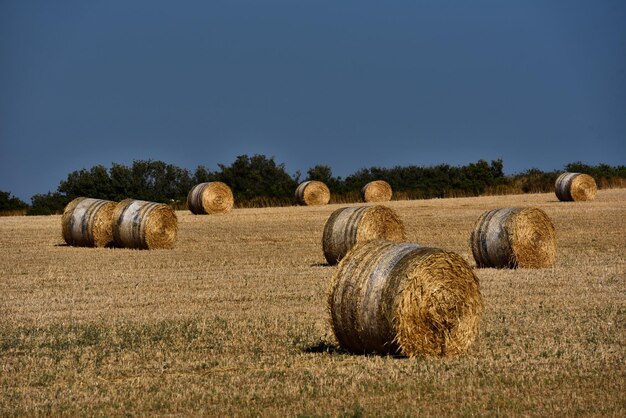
<point x="537" y="83"/>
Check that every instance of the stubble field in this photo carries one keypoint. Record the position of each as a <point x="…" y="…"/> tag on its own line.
<point x="233" y="321"/>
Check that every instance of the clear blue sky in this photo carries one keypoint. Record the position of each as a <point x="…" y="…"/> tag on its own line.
<point x="349" y="84"/>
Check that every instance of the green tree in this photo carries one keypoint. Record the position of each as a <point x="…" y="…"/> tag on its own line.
<point x="324" y="174"/>
<point x="48" y="204"/>
<point x="122" y="183"/>
<point x="536" y="181"/>
<point x="94" y="183"/>
<point x="202" y="175"/>
<point x="257" y="177"/>
<point x="601" y="171"/>
<point x="11" y="203"/>
<point x="157" y="181"/>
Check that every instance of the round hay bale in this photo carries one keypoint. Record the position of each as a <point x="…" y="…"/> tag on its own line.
<point x="514" y="237"/>
<point x="312" y="193"/>
<point x="146" y="225"/>
<point x="575" y="187"/>
<point x="346" y="227"/>
<point x="376" y="191"/>
<point x="209" y="198"/>
<point x="86" y="222"/>
<point x="402" y="298"/>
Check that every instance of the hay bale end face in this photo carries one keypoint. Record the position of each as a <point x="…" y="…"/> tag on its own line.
<point x="86" y="222"/>
<point x="575" y="187"/>
<point x="404" y="299"/>
<point x="376" y="191"/>
<point x="209" y="198"/>
<point x="312" y="193"/>
<point x="346" y="227"/>
<point x="514" y="237"/>
<point x="144" y="225"/>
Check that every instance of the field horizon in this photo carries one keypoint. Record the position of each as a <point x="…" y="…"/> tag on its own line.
<point x="233" y="320"/>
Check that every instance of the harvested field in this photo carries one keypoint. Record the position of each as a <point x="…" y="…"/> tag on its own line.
<point x="233" y="321"/>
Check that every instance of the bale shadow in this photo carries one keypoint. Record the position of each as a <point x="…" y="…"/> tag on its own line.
<point x="320" y="265"/>
<point x="323" y="347"/>
<point x="109" y="245"/>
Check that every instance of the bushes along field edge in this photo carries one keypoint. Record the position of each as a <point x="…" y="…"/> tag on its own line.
<point x="259" y="181"/>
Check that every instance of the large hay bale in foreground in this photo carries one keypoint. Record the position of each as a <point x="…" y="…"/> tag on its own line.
<point x="209" y="198"/>
<point x="404" y="299"/>
<point x="312" y="193"/>
<point x="346" y="227"/>
<point x="376" y="191"/>
<point x="575" y="187"/>
<point x="514" y="237"/>
<point x="145" y="225"/>
<point x="86" y="222"/>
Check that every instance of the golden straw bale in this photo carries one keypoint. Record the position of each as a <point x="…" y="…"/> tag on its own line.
<point x="348" y="226"/>
<point x="145" y="225"/>
<point x="403" y="298"/>
<point x="209" y="198"/>
<point x="575" y="187"/>
<point x="376" y="191"/>
<point x="312" y="193"/>
<point x="86" y="222"/>
<point x="514" y="237"/>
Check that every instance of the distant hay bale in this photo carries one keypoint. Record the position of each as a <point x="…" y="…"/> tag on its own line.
<point x="146" y="225"/>
<point x="514" y="237"/>
<point x="404" y="299"/>
<point x="575" y="187"/>
<point x="209" y="198"/>
<point x="312" y="193"/>
<point x="86" y="222"/>
<point x="348" y="226"/>
<point x="376" y="191"/>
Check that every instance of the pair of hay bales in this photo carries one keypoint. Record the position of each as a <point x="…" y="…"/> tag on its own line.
<point x="88" y="222"/>
<point x="505" y="237"/>
<point x="568" y="187"/>
<point x="316" y="193"/>
<point x="525" y="237"/>
<point x="210" y="198"/>
<point x="575" y="187"/>
<point x="393" y="297"/>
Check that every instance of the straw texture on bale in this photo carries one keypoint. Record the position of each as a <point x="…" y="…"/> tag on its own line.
<point x="575" y="187"/>
<point x="312" y="193"/>
<point x="86" y="222"/>
<point x="376" y="191"/>
<point x="514" y="237"/>
<point x="348" y="226"/>
<point x="402" y="298"/>
<point x="209" y="198"/>
<point x="145" y="225"/>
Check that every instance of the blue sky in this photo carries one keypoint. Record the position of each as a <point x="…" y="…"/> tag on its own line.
<point x="349" y="84"/>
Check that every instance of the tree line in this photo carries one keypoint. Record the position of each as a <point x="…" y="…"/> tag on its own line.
<point x="258" y="181"/>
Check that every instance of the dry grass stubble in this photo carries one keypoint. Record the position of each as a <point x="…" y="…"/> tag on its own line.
<point x="233" y="321"/>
